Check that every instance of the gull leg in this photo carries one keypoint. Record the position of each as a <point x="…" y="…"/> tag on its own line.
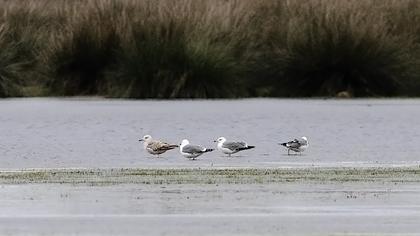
<point x="288" y="152"/>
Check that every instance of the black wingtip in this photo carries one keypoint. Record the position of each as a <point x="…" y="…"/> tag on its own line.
<point x="209" y="150"/>
<point x="283" y="144"/>
<point x="250" y="147"/>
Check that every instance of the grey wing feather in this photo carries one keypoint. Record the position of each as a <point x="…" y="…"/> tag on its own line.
<point x="294" y="144"/>
<point x="193" y="149"/>
<point x="234" y="145"/>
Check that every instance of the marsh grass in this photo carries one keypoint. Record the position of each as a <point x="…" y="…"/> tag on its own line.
<point x="210" y="49"/>
<point x="329" y="46"/>
<point x="82" y="49"/>
<point x="172" y="55"/>
<point x="210" y="176"/>
<point x="19" y="39"/>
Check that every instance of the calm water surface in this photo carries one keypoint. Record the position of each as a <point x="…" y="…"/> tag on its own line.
<point x="105" y="133"/>
<point x="270" y="209"/>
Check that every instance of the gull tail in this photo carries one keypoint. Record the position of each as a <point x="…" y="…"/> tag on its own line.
<point x="172" y="146"/>
<point x="248" y="147"/>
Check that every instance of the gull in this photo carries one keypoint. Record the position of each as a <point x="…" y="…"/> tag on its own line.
<point x="192" y="151"/>
<point x="231" y="147"/>
<point x="296" y="145"/>
<point x="156" y="147"/>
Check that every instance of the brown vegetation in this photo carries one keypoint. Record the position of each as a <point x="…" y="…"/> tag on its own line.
<point x="209" y="48"/>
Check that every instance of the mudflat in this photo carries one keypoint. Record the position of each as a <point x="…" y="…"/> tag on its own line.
<point x="223" y="201"/>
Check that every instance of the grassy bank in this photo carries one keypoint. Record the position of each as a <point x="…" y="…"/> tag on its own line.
<point x="209" y="49"/>
<point x="209" y="176"/>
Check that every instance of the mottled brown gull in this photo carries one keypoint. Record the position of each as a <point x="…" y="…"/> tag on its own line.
<point x="156" y="147"/>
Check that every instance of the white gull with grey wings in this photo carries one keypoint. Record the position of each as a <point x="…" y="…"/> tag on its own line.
<point x="231" y="147"/>
<point x="156" y="147"/>
<point x="296" y="145"/>
<point x="192" y="151"/>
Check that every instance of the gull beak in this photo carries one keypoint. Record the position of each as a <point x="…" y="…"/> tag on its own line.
<point x="140" y="140"/>
<point x="214" y="141"/>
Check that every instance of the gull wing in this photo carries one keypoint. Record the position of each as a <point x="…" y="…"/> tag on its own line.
<point x="192" y="149"/>
<point x="234" y="145"/>
<point x="293" y="144"/>
<point x="160" y="146"/>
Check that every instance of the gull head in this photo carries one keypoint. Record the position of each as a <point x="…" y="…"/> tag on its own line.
<point x="220" y="140"/>
<point x="306" y="140"/>
<point x="184" y="142"/>
<point x="146" y="138"/>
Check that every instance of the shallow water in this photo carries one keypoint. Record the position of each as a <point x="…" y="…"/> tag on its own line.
<point x="91" y="132"/>
<point x="191" y="209"/>
<point x="95" y="133"/>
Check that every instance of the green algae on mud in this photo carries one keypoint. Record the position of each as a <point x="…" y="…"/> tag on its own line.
<point x="209" y="175"/>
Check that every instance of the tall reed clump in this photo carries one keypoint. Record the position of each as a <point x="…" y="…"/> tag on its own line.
<point x="328" y="46"/>
<point x="404" y="18"/>
<point x="149" y="49"/>
<point x="22" y="26"/>
<point x="84" y="46"/>
<point x="10" y="65"/>
<point x="180" y="49"/>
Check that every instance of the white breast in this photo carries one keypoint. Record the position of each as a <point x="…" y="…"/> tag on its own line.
<point x="303" y="148"/>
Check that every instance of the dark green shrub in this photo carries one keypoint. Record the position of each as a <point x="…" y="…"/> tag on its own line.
<point x="19" y="46"/>
<point x="161" y="63"/>
<point x="167" y="56"/>
<point x="77" y="66"/>
<point x="332" y="46"/>
<point x="83" y="49"/>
